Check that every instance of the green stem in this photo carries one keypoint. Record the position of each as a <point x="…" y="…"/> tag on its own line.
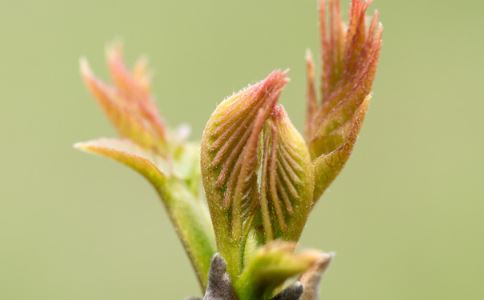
<point x="231" y="252"/>
<point x="192" y="225"/>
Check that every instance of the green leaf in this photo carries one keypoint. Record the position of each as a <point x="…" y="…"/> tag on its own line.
<point x="270" y="267"/>
<point x="286" y="180"/>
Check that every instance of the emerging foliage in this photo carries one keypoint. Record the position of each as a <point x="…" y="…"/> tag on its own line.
<point x="128" y="103"/>
<point x="147" y="148"/>
<point x="350" y="57"/>
<point x="125" y="152"/>
<point x="261" y="178"/>
<point x="286" y="179"/>
<point x="229" y="157"/>
<point x="270" y="266"/>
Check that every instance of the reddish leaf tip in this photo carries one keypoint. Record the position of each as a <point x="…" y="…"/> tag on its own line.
<point x="278" y="112"/>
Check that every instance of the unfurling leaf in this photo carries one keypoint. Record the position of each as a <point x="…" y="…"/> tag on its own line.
<point x="168" y="162"/>
<point x="350" y="59"/>
<point x="328" y="166"/>
<point x="229" y="162"/>
<point x="128" y="104"/>
<point x="270" y="267"/>
<point x="129" y="154"/>
<point x="286" y="179"/>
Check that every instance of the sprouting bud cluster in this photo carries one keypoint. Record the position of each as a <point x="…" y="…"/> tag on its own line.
<point x="261" y="177"/>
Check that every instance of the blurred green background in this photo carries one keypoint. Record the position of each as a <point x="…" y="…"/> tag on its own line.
<point x="406" y="217"/>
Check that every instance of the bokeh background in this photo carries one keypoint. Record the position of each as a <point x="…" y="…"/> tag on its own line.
<point x="406" y="217"/>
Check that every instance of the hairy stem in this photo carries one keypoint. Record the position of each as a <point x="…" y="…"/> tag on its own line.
<point x="192" y="225"/>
